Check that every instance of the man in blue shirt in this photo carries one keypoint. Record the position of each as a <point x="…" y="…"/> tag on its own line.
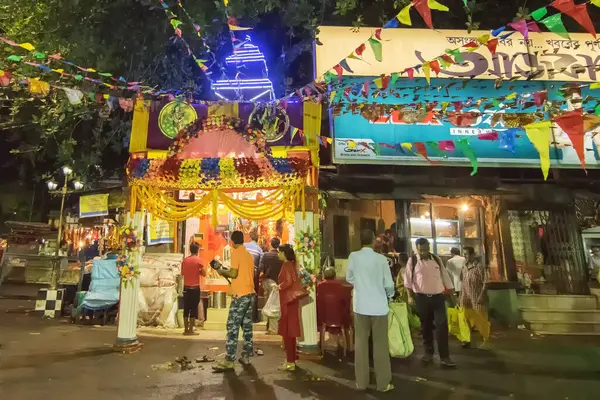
<point x="370" y="274"/>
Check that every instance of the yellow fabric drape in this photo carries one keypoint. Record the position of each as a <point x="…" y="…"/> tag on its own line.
<point x="312" y="128"/>
<point x="139" y="127"/>
<point x="162" y="205"/>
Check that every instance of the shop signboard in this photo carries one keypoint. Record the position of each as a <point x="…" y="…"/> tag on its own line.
<point x="360" y="138"/>
<point x="95" y="205"/>
<point x="549" y="56"/>
<point x="159" y="231"/>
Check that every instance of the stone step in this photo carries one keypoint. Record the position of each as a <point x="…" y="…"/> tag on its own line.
<point x="222" y="326"/>
<point x="556" y="315"/>
<point x="557" y="302"/>
<point x="565" y="328"/>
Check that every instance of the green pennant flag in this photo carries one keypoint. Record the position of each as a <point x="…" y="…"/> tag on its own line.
<point x="434" y="149"/>
<point x="597" y="109"/>
<point x="78" y="77"/>
<point x="92" y="96"/>
<point x="107" y="74"/>
<point x="458" y="58"/>
<point x="176" y="23"/>
<point x="329" y="76"/>
<point x="554" y="23"/>
<point x="394" y="78"/>
<point x="539" y="13"/>
<point x="39" y="55"/>
<point x="377" y="149"/>
<point x="14" y="58"/>
<point x="464" y="146"/>
<point x="377" y="48"/>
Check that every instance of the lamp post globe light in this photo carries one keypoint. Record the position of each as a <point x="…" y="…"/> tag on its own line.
<point x="52" y="186"/>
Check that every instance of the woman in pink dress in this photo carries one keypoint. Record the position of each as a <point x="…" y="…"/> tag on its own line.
<point x="289" y="323"/>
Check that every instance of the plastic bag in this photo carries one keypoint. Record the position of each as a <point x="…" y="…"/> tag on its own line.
<point x="457" y="324"/>
<point x="400" y="341"/>
<point x="413" y="319"/>
<point x="272" y="307"/>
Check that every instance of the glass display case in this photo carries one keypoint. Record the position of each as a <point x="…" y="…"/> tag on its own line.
<point x="446" y="226"/>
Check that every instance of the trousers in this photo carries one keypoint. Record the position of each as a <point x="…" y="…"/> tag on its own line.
<point x="377" y="328"/>
<point x="431" y="310"/>
<point x="479" y="320"/>
<point x="240" y="316"/>
<point x="290" y="349"/>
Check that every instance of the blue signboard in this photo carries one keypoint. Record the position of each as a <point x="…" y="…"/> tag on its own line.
<point x="365" y="135"/>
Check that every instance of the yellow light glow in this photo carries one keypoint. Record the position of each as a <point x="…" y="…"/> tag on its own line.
<point x="464" y="207"/>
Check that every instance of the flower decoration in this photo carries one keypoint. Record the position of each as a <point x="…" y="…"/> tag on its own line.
<point x="126" y="270"/>
<point x="308" y="280"/>
<point x="307" y="245"/>
<point x="129" y="238"/>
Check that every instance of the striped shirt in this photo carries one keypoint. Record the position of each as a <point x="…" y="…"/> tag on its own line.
<point x="474" y="277"/>
<point x="256" y="252"/>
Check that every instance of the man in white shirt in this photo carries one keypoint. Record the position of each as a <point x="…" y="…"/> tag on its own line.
<point x="428" y="282"/>
<point x="454" y="266"/>
<point x="371" y="277"/>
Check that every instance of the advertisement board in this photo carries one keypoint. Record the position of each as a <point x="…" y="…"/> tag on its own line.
<point x="361" y="139"/>
<point x="95" y="205"/>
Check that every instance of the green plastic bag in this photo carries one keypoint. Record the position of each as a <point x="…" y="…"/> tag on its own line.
<point x="400" y="341"/>
<point x="457" y="324"/>
<point x="413" y="319"/>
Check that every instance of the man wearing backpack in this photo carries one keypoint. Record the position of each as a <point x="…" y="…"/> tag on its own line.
<point x="428" y="282"/>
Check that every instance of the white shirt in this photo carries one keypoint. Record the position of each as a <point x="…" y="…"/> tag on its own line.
<point x="371" y="277"/>
<point x="454" y="267"/>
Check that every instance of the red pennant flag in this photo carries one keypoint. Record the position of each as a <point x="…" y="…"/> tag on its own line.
<point x="421" y="149"/>
<point x="448" y="59"/>
<point x="360" y="49"/>
<point x="423" y="8"/>
<point x="488" y="136"/>
<point x="458" y="106"/>
<point x="347" y="92"/>
<point x="540" y="98"/>
<point x="385" y="80"/>
<point x="492" y="45"/>
<point x="340" y="71"/>
<point x="378" y="33"/>
<point x="572" y="123"/>
<point x="435" y="67"/>
<point x="577" y="12"/>
<point x="532" y="26"/>
<point x="471" y="45"/>
<point x="429" y="117"/>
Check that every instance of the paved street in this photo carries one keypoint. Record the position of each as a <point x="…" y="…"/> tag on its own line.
<point x="57" y="360"/>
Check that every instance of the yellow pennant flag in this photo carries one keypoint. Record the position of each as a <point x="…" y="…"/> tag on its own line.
<point x="226" y="2"/>
<point x="434" y="5"/>
<point x="294" y="131"/>
<point x="483" y="39"/>
<point x="238" y="28"/>
<point x="351" y="144"/>
<point x="596" y="85"/>
<point x="378" y="82"/>
<point x="332" y="95"/>
<point x="329" y="140"/>
<point x="540" y="135"/>
<point x="404" y="15"/>
<point x="427" y="71"/>
<point x="38" y="87"/>
<point x="511" y="96"/>
<point x="27" y="46"/>
<point x="407" y="145"/>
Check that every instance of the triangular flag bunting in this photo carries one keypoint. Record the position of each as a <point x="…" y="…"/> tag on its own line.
<point x="27" y="46"/>
<point x="572" y="123"/>
<point x="464" y="146"/>
<point x="392" y="23"/>
<point x="404" y="15"/>
<point x="435" y="66"/>
<point x="427" y="72"/>
<point x="434" y="5"/>
<point x="377" y="48"/>
<point x="521" y="27"/>
<point x="540" y="135"/>
<point x="345" y="65"/>
<point x="554" y="24"/>
<point x="421" y="149"/>
<point x="540" y="13"/>
<point x="378" y="82"/>
<point x="492" y="45"/>
<point x="423" y="9"/>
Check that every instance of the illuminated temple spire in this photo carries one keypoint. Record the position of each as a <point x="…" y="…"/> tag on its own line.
<point x="248" y="75"/>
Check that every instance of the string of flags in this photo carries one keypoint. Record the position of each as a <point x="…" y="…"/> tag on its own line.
<point x="40" y="56"/>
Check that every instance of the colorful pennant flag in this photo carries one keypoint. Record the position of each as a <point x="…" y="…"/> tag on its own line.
<point x="434" y="5"/>
<point x="423" y="9"/>
<point x="540" y="13"/>
<point x="404" y="15"/>
<point x="554" y="24"/>
<point x="464" y="146"/>
<point x="377" y="48"/>
<point x="506" y="139"/>
<point x="540" y="135"/>
<point x="572" y="123"/>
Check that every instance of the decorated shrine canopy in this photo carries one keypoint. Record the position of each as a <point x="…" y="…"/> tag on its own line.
<point x="554" y="57"/>
<point x="222" y="149"/>
<point x="450" y="122"/>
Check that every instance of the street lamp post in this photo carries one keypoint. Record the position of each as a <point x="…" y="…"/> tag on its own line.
<point x="52" y="186"/>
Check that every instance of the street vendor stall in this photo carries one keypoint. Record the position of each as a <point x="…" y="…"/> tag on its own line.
<point x="210" y="169"/>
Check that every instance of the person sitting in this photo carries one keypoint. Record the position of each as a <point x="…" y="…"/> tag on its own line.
<point x="333" y="307"/>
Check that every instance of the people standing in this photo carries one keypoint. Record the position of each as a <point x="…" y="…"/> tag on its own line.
<point x="455" y="266"/>
<point x="256" y="251"/>
<point x="270" y="265"/>
<point x="191" y="270"/>
<point x="290" y="291"/>
<point x="428" y="282"/>
<point x="370" y="274"/>
<point x="243" y="297"/>
<point x="473" y="296"/>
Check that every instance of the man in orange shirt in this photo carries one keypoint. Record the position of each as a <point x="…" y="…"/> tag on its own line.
<point x="191" y="269"/>
<point x="243" y="298"/>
